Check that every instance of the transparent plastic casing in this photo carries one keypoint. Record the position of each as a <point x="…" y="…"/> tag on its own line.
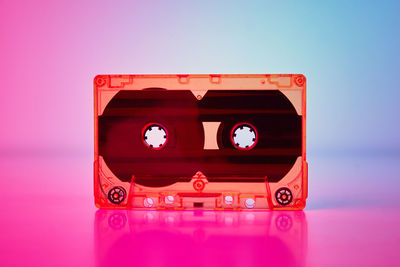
<point x="213" y="142"/>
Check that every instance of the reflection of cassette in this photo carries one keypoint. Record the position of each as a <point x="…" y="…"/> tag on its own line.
<point x="200" y="238"/>
<point x="200" y="141"/>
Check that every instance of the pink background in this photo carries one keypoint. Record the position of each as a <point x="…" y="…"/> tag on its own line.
<point x="50" y="52"/>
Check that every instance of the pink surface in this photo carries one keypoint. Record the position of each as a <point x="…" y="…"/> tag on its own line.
<point x="48" y="219"/>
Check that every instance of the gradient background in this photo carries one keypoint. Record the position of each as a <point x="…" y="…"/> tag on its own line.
<point x="50" y="52"/>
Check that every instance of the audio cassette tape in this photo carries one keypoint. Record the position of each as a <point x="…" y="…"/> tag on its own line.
<point x="214" y="142"/>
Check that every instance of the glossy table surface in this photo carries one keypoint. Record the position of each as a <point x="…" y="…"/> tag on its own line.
<point x="48" y="219"/>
